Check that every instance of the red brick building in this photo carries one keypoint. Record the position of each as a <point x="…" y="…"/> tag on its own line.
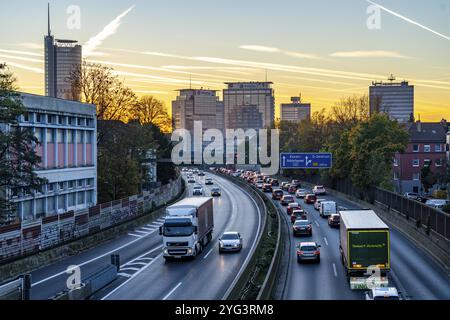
<point x="427" y="145"/>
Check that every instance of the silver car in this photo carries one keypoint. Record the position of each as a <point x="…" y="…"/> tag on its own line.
<point x="230" y="241"/>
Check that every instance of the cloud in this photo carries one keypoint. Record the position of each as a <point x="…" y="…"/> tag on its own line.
<point x="110" y="29"/>
<point x="26" y="53"/>
<point x="30" y="45"/>
<point x="21" y="58"/>
<point x="368" y="54"/>
<point x="409" y="20"/>
<point x="261" y="48"/>
<point x="28" y="68"/>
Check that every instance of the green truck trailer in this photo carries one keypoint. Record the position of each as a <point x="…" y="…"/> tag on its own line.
<point x="364" y="247"/>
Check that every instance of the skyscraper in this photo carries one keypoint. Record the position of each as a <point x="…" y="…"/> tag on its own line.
<point x="394" y="98"/>
<point x="295" y="111"/>
<point x="61" y="58"/>
<point x="197" y="105"/>
<point x="240" y="94"/>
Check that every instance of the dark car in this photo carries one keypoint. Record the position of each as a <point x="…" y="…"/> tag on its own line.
<point x="277" y="194"/>
<point x="308" y="251"/>
<point x="302" y="227"/>
<point x="292" y="189"/>
<point x="310" y="198"/>
<point x="296" y="183"/>
<point x="286" y="200"/>
<point x="334" y="220"/>
<point x="215" y="192"/>
<point x="298" y="214"/>
<point x="275" y="183"/>
<point x="267" y="187"/>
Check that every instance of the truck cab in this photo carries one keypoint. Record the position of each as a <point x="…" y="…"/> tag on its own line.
<point x="187" y="227"/>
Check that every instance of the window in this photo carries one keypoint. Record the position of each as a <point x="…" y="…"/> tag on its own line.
<point x="395" y="175"/>
<point x="39" y="206"/>
<point x="88" y="122"/>
<point x="80" y="137"/>
<point x="71" y="199"/>
<point x="26" y="117"/>
<point x="60" y="136"/>
<point x="416" y="163"/>
<point x="80" y="198"/>
<point x="60" y="185"/>
<point x="438" y="148"/>
<point x="438" y="162"/>
<point x="426" y="148"/>
<point x="38" y="117"/>
<point x="415" y="148"/>
<point x="61" y="119"/>
<point x="51" y="204"/>
<point x="90" y="182"/>
<point x="395" y="162"/>
<point x="80" y="183"/>
<point x="38" y="134"/>
<point x="427" y="162"/>
<point x="50" y="187"/>
<point x="416" y="176"/>
<point x="70" y="136"/>
<point x="80" y="121"/>
<point x="89" y="137"/>
<point x="71" y="184"/>
<point x="62" y="202"/>
<point x="50" y="136"/>
<point x="50" y="118"/>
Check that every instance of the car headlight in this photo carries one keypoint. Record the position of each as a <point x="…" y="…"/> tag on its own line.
<point x="221" y="244"/>
<point x="166" y="251"/>
<point x="189" y="250"/>
<point x="236" y="244"/>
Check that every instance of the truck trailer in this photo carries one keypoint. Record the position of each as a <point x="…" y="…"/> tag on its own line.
<point x="364" y="247"/>
<point x="187" y="227"/>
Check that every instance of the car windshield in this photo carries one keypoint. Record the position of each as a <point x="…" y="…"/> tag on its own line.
<point x="215" y="189"/>
<point x="178" y="227"/>
<point x="230" y="236"/>
<point x="302" y="223"/>
<point x="308" y="248"/>
<point x="288" y="198"/>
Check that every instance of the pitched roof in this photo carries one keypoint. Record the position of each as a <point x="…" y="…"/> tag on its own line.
<point x="427" y="131"/>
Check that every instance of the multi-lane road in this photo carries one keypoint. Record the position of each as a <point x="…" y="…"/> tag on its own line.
<point x="145" y="275"/>
<point x="413" y="271"/>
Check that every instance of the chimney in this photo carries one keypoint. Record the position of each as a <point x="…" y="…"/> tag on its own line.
<point x="419" y="126"/>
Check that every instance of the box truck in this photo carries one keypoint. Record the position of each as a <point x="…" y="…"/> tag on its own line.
<point x="364" y="247"/>
<point x="187" y="227"/>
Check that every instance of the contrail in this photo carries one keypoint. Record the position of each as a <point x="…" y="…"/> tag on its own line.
<point x="110" y="29"/>
<point x="409" y="20"/>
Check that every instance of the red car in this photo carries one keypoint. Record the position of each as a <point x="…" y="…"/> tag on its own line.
<point x="310" y="198"/>
<point x="298" y="214"/>
<point x="277" y="194"/>
<point x="292" y="206"/>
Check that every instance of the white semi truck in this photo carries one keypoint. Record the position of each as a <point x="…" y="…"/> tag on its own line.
<point x="187" y="227"/>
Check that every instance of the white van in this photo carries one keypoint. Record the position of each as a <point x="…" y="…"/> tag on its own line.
<point x="327" y="208"/>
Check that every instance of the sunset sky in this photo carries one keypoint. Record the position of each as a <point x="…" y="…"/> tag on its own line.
<point x="322" y="49"/>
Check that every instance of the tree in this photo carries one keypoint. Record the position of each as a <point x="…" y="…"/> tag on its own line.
<point x="372" y="147"/>
<point x="97" y="84"/>
<point x="350" y="111"/>
<point x="427" y="178"/>
<point x="17" y="156"/>
<point x="149" y="110"/>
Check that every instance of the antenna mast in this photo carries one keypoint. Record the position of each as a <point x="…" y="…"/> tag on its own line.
<point x="48" y="18"/>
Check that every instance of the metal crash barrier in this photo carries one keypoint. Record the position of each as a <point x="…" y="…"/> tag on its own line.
<point x="18" y="289"/>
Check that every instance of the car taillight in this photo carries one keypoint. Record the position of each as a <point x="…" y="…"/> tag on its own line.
<point x="316" y="252"/>
<point x="299" y="252"/>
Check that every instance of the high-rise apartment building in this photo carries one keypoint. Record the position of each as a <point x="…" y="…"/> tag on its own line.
<point x="394" y="98"/>
<point x="197" y="105"/>
<point x="295" y="111"/>
<point x="241" y="94"/>
<point x="62" y="57"/>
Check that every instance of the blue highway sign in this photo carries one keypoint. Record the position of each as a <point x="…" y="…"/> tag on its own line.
<point x="306" y="160"/>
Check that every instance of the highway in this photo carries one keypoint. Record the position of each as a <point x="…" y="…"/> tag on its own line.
<point x="145" y="275"/>
<point x="413" y="272"/>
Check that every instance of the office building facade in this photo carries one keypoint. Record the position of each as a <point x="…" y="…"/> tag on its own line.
<point x="67" y="132"/>
<point x="394" y="98"/>
<point x="295" y="111"/>
<point x="241" y="94"/>
<point x="62" y="57"/>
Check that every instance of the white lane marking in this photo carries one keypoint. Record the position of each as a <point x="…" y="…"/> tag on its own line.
<point x="133" y="276"/>
<point x="148" y="229"/>
<point x="129" y="268"/>
<point x="135" y="235"/>
<point x="126" y="275"/>
<point x="141" y="257"/>
<point x="148" y="259"/>
<point x="137" y="263"/>
<point x="317" y="224"/>
<point x="325" y="239"/>
<point x="143" y="232"/>
<point x="172" y="291"/>
<point x="161" y="220"/>
<point x="334" y="270"/>
<point x="209" y="252"/>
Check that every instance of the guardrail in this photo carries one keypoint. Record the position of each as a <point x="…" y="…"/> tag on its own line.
<point x="257" y="281"/>
<point x="18" y="289"/>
